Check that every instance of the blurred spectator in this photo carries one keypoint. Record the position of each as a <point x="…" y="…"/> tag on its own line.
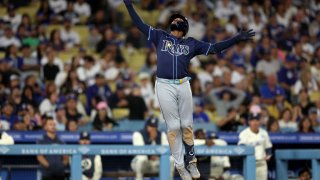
<point x="30" y="63"/>
<point x="56" y="41"/>
<point x="82" y="8"/>
<point x="12" y="17"/>
<point x="305" y="126"/>
<point x="304" y="174"/>
<point x="224" y="9"/>
<point x="72" y="83"/>
<point x="72" y="125"/>
<point x="26" y="124"/>
<point x="288" y="74"/>
<point x="102" y="121"/>
<point x="48" y="105"/>
<point x="147" y="90"/>
<point x="69" y="14"/>
<point x="12" y="57"/>
<point x="91" y="164"/>
<point x="52" y="166"/>
<point x="287" y="121"/>
<point x="304" y="102"/>
<point x="94" y="37"/>
<point x="6" y="139"/>
<point x="108" y="37"/>
<point x="99" y="88"/>
<point x="306" y="81"/>
<point x="44" y="13"/>
<point x="50" y="69"/>
<point x="230" y="122"/>
<point x="259" y="138"/>
<point x="197" y="28"/>
<point x="60" y="118"/>
<point x="280" y="103"/>
<point x="313" y="116"/>
<point x="69" y="37"/>
<point x="273" y="125"/>
<point x="58" y="6"/>
<point x="62" y="76"/>
<point x="267" y="65"/>
<point x="257" y="25"/>
<point x="199" y="115"/>
<point x="8" y="39"/>
<point x="28" y="96"/>
<point x="135" y="39"/>
<point x="150" y="65"/>
<point x="149" y="135"/>
<point x="73" y="110"/>
<point x="206" y="75"/>
<point x="99" y="20"/>
<point x="224" y="98"/>
<point x="89" y="70"/>
<point x="269" y="90"/>
<point x="137" y="107"/>
<point x="8" y="118"/>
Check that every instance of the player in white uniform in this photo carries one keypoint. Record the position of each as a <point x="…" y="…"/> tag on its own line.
<point x="259" y="138"/>
<point x="149" y="135"/>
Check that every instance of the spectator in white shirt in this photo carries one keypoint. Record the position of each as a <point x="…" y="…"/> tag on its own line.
<point x="88" y="71"/>
<point x="13" y="18"/>
<point x="197" y="29"/>
<point x="68" y="36"/>
<point x="8" y="39"/>
<point x="82" y="8"/>
<point x="58" y="5"/>
<point x="147" y="90"/>
<point x="267" y="65"/>
<point x="48" y="105"/>
<point x="257" y="25"/>
<point x="287" y="121"/>
<point x="225" y="8"/>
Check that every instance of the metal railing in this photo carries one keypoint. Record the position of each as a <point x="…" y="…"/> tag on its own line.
<point x="76" y="152"/>
<point x="283" y="156"/>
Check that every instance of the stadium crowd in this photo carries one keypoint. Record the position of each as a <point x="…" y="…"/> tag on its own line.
<point x="279" y="70"/>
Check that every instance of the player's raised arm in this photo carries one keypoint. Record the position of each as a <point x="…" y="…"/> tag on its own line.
<point x="241" y="36"/>
<point x="208" y="48"/>
<point x="144" y="28"/>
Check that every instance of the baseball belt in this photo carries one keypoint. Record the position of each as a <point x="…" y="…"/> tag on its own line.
<point x="173" y="81"/>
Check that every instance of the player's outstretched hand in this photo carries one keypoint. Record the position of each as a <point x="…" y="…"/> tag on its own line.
<point x="245" y="35"/>
<point x="127" y="2"/>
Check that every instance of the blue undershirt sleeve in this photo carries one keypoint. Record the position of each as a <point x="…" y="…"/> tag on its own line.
<point x="144" y="28"/>
<point x="220" y="46"/>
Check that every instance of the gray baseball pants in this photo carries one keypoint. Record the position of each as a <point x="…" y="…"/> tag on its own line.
<point x="176" y="107"/>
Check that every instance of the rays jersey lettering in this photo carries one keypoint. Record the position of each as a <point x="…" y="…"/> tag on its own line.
<point x="174" y="49"/>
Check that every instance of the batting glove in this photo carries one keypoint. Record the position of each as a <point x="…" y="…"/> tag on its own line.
<point x="246" y="35"/>
<point x="127" y="2"/>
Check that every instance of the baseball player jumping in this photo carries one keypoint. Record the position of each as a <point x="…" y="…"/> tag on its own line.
<point x="172" y="87"/>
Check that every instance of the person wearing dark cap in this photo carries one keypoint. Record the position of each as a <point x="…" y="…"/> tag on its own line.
<point x="91" y="164"/>
<point x="212" y="166"/>
<point x="260" y="140"/>
<point x="149" y="135"/>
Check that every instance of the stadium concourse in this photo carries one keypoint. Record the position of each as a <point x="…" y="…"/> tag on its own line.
<point x="84" y="64"/>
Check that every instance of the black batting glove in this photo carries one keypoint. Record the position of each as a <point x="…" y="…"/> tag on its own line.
<point x="127" y="2"/>
<point x="244" y="35"/>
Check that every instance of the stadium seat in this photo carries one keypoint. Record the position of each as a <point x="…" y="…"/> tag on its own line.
<point x="120" y="113"/>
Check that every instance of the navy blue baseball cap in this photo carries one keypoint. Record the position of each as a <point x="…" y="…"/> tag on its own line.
<point x="84" y="135"/>
<point x="152" y="121"/>
<point x="253" y="116"/>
